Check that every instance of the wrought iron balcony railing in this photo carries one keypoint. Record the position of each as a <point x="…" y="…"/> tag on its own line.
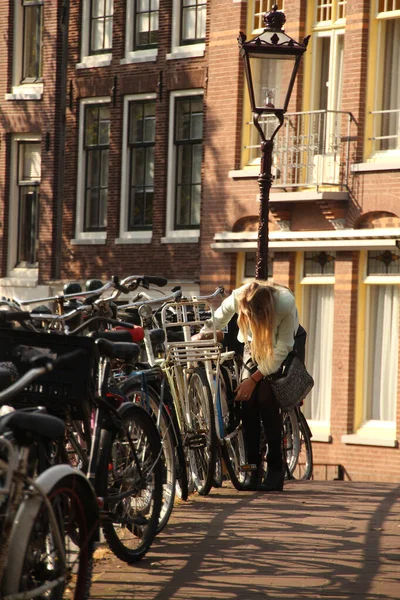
<point x="311" y="150"/>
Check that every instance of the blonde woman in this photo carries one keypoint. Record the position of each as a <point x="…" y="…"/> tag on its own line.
<point x="267" y="321"/>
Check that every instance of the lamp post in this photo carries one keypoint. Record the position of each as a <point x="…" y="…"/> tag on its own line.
<point x="271" y="62"/>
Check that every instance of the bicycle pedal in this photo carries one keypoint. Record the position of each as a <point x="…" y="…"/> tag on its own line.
<point x="248" y="468"/>
<point x="196" y="441"/>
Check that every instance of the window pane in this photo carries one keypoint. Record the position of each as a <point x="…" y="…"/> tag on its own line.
<point x="384" y="262"/>
<point x="28" y="223"/>
<point x="193" y="18"/>
<point x="97" y="133"/>
<point x="141" y="177"/>
<point x="382" y="353"/>
<point x="319" y="263"/>
<point x="33" y="39"/>
<point x="391" y="86"/>
<point x="101" y="26"/>
<point x="318" y="322"/>
<point x="146" y="20"/>
<point x="196" y="163"/>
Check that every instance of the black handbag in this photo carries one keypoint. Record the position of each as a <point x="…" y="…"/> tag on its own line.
<point x="292" y="383"/>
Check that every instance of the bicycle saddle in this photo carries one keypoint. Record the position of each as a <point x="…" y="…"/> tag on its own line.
<point x="27" y="427"/>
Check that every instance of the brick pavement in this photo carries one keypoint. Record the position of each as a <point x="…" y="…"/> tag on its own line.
<point x="329" y="540"/>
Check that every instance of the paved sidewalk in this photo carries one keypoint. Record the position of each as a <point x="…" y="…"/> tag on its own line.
<point x="329" y="540"/>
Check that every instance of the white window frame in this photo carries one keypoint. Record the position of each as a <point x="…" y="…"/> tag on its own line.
<point x="125" y="236"/>
<point x="87" y="61"/>
<point x="14" y="272"/>
<point x="178" y="51"/>
<point x="85" y="237"/>
<point x="176" y="235"/>
<point x="135" y="56"/>
<point x="373" y="432"/>
<point x="372" y="428"/>
<point x="21" y="91"/>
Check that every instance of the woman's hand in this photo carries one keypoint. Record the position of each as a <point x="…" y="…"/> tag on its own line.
<point x="245" y="390"/>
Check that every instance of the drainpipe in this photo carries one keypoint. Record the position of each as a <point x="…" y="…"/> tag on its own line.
<point x="64" y="21"/>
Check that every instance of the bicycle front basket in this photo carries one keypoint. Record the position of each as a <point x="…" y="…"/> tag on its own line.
<point x="68" y="389"/>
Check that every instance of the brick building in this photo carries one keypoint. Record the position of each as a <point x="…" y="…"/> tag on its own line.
<point x="132" y="121"/>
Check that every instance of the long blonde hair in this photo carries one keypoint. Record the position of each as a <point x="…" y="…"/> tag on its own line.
<point x="256" y="312"/>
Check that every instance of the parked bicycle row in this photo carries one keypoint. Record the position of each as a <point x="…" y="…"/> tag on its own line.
<point x="113" y="407"/>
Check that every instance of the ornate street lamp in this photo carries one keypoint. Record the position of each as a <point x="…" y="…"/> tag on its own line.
<point x="271" y="62"/>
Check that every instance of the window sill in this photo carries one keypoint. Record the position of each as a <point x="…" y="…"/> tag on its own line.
<point x="89" y="62"/>
<point x="20" y="281"/>
<point x="195" y="51"/>
<point x="26" y="92"/>
<point x="250" y="173"/>
<point x="324" y="438"/>
<point x="184" y="238"/>
<point x="139" y="56"/>
<point x="367" y="167"/>
<point x="140" y="238"/>
<point x="359" y="440"/>
<point x="90" y="241"/>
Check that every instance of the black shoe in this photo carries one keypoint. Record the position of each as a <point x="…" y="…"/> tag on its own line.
<point x="273" y="481"/>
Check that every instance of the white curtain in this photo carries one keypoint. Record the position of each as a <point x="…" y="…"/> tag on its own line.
<point x="318" y="322"/>
<point x="380" y="388"/>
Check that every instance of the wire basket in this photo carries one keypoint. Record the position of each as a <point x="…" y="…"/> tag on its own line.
<point x="68" y="390"/>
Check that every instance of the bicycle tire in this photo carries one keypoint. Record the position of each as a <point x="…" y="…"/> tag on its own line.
<point x="182" y="488"/>
<point x="219" y="472"/>
<point x="304" y="466"/>
<point x="130" y="525"/>
<point x="33" y="559"/>
<point x="291" y="440"/>
<point x="164" y="424"/>
<point x="201" y="441"/>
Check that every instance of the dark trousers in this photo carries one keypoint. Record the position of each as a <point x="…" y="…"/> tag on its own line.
<point x="262" y="404"/>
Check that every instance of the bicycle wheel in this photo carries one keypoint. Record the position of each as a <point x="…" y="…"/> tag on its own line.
<point x="151" y="401"/>
<point x="182" y="480"/>
<point x="304" y="466"/>
<point x="129" y="478"/>
<point x="201" y="438"/>
<point x="35" y="559"/>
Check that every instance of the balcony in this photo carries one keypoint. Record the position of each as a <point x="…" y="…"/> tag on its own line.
<point x="312" y="149"/>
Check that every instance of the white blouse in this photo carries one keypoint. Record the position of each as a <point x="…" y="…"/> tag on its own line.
<point x="286" y="324"/>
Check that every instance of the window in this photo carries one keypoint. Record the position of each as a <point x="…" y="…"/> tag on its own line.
<point x="101" y="25"/>
<point x="186" y="152"/>
<point x="189" y="28"/>
<point x="32" y="58"/>
<point x="27" y="77"/>
<point x="93" y="160"/>
<point x="381" y="353"/>
<point x="377" y="349"/>
<point x="189" y="150"/>
<point x="381" y="340"/>
<point x="96" y="148"/>
<point x="318" y="314"/>
<point x="193" y="21"/>
<point x="24" y="204"/>
<point x="97" y="32"/>
<point x="28" y="203"/>
<point x="146" y="24"/>
<point x="383" y="97"/>
<point x="142" y="116"/>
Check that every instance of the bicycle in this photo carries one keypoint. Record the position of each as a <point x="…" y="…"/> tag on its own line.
<point x="121" y="446"/>
<point x="48" y="524"/>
